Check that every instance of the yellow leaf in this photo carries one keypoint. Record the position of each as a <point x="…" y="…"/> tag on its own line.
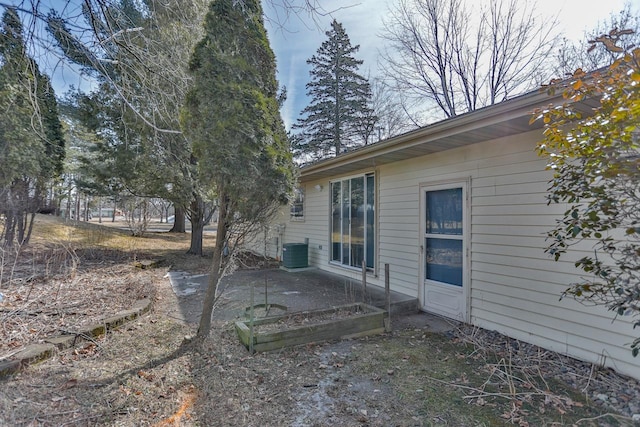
<point x="577" y="84"/>
<point x="635" y="76"/>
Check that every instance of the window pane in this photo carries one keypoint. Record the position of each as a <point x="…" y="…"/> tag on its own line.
<point x="444" y="260"/>
<point x="370" y="220"/>
<point x="346" y="212"/>
<point x="297" y="207"/>
<point x="336" y="223"/>
<point x="357" y="221"/>
<point x="444" y="212"/>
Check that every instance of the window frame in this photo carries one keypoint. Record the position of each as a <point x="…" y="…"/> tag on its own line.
<point x="430" y="288"/>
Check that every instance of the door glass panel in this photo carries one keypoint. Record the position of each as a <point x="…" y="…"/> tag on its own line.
<point x="444" y="260"/>
<point x="335" y="221"/>
<point x="370" y="221"/>
<point x="357" y="221"/>
<point x="444" y="212"/>
<point x="346" y="212"/>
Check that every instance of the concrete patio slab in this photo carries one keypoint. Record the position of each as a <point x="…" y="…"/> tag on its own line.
<point x="298" y="290"/>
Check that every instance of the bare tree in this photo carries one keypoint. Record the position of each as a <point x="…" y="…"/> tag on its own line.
<point x="280" y="13"/>
<point x="460" y="57"/>
<point x="103" y="38"/>
<point x="387" y="105"/>
<point x="602" y="45"/>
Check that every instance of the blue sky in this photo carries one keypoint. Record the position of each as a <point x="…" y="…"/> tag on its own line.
<point x="303" y="35"/>
<point x="362" y="19"/>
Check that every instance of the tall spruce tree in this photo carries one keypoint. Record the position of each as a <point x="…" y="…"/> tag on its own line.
<point x="340" y="98"/>
<point x="232" y="116"/>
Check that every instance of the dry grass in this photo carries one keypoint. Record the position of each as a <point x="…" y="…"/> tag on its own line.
<point x="74" y="274"/>
<point x="110" y="236"/>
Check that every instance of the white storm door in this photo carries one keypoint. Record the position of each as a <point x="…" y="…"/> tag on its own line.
<point x="444" y="250"/>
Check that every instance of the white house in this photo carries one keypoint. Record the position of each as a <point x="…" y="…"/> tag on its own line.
<point x="458" y="211"/>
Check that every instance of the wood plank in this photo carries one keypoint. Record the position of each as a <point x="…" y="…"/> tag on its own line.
<point x="362" y="323"/>
<point x="317" y="332"/>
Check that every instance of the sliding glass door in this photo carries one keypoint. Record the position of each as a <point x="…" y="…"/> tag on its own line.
<point x="352" y="221"/>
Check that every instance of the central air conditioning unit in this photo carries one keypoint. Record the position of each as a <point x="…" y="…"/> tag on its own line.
<point x="295" y="255"/>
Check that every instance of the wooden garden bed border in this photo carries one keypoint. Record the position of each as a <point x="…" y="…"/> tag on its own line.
<point x="370" y="322"/>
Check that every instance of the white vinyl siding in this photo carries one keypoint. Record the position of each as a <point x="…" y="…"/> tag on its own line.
<point x="315" y="225"/>
<point x="516" y="286"/>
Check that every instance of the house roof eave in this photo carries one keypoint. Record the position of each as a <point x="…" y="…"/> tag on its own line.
<point x="506" y="118"/>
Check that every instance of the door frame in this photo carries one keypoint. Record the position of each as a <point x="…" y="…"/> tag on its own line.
<point x="465" y="184"/>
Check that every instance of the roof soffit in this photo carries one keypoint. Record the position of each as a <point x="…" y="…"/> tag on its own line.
<point x="507" y="118"/>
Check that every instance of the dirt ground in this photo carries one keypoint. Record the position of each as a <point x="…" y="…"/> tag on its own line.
<point x="147" y="374"/>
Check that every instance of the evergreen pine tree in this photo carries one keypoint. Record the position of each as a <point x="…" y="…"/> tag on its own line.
<point x="232" y="116"/>
<point x="340" y="97"/>
<point x="31" y="141"/>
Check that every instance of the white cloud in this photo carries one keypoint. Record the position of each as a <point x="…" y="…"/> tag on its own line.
<point x="289" y="113"/>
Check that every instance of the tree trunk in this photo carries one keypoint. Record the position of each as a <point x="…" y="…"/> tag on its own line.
<point x="19" y="212"/>
<point x="77" y="204"/>
<point x="32" y="219"/>
<point x="178" y="221"/>
<point x="216" y="271"/>
<point x="197" y="225"/>
<point x="67" y="214"/>
<point x="166" y="213"/>
<point x="197" y="231"/>
<point x="21" y="222"/>
<point x="9" y="228"/>
<point x="24" y="205"/>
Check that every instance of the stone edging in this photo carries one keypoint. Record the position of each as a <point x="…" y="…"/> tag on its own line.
<point x="34" y="353"/>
